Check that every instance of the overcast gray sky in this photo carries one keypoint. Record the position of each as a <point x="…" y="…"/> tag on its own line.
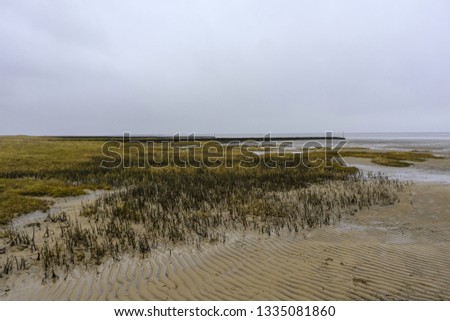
<point x="95" y="67"/>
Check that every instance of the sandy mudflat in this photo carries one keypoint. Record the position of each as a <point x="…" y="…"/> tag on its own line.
<point x="398" y="252"/>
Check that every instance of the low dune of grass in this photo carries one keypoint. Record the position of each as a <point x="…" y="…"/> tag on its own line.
<point x="390" y="158"/>
<point x="390" y="162"/>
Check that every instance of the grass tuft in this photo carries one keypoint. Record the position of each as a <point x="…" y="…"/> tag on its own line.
<point x="390" y="158"/>
<point x="390" y="162"/>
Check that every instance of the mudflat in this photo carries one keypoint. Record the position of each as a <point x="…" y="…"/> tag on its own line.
<point x="395" y="252"/>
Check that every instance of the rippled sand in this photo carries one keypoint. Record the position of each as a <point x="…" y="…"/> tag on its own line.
<point x="399" y="252"/>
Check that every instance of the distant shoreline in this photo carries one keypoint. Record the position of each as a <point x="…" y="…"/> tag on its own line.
<point x="197" y="138"/>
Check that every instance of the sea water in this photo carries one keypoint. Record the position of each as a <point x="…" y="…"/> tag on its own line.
<point x="429" y="171"/>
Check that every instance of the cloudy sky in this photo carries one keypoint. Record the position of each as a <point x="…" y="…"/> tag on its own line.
<point x="93" y="67"/>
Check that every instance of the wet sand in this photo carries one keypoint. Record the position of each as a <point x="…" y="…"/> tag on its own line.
<point x="431" y="171"/>
<point x="397" y="252"/>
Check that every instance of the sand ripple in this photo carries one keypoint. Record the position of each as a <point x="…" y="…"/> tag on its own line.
<point x="400" y="252"/>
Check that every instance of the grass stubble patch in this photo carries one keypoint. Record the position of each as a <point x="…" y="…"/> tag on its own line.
<point x="390" y="158"/>
<point x="158" y="208"/>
